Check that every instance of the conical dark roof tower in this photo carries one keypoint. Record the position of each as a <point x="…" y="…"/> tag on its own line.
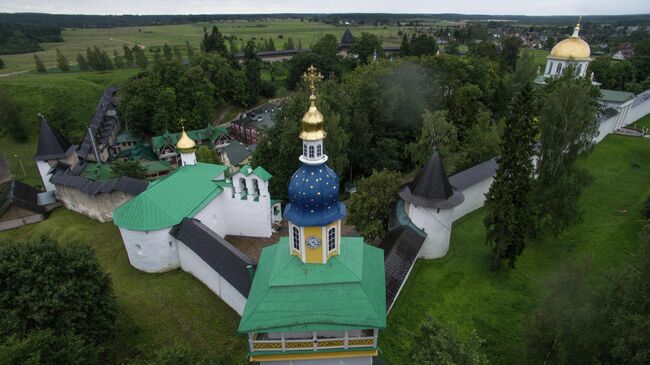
<point x="52" y="145"/>
<point x="431" y="187"/>
<point x="347" y="39"/>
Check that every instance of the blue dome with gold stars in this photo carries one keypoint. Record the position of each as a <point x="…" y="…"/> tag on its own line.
<point x="314" y="196"/>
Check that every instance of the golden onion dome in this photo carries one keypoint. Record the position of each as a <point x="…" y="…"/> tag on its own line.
<point x="312" y="123"/>
<point x="185" y="142"/>
<point x="573" y="47"/>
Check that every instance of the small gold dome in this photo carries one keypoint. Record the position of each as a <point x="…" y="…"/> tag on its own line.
<point x="573" y="47"/>
<point x="312" y="123"/>
<point x="185" y="142"/>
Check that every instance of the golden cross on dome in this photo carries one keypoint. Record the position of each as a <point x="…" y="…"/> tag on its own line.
<point x="312" y="76"/>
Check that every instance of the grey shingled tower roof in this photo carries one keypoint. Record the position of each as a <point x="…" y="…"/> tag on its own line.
<point x="431" y="187"/>
<point x="347" y="38"/>
<point x="52" y="145"/>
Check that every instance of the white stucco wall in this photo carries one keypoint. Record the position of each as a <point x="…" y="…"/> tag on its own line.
<point x="436" y="223"/>
<point x="193" y="264"/>
<point x="151" y="251"/>
<point x="638" y="109"/>
<point x="43" y="168"/>
<point x="474" y="198"/>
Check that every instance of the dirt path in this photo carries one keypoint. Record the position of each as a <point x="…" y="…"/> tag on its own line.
<point x="13" y="73"/>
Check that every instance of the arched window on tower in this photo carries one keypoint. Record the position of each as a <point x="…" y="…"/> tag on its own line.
<point x="256" y="187"/>
<point x="579" y="70"/>
<point x="319" y="150"/>
<point x="304" y="150"/>
<point x="558" y="71"/>
<point x="311" y="151"/>
<point x="550" y="67"/>
<point x="331" y="239"/>
<point x="242" y="186"/>
<point x="296" y="239"/>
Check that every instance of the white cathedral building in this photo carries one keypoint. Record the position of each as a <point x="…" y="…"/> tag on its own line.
<point x="228" y="205"/>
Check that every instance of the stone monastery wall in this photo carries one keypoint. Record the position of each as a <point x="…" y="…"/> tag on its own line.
<point x="99" y="207"/>
<point x="475" y="183"/>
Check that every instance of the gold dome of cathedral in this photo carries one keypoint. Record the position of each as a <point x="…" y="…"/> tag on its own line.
<point x="573" y="47"/>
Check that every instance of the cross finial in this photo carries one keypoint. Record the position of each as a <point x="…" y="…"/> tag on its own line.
<point x="181" y="121"/>
<point x="312" y="76"/>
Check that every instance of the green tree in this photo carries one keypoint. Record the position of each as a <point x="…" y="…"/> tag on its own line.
<point x="423" y="45"/>
<point x="57" y="287"/>
<point x="2" y="63"/>
<point x="568" y="125"/>
<point x="177" y="53"/>
<point x="289" y="44"/>
<point x="128" y="56"/>
<point x="482" y="142"/>
<point x="405" y="46"/>
<point x="117" y="60"/>
<point x="370" y="207"/>
<point x="128" y="168"/>
<point x="510" y="52"/>
<point x="167" y="52"/>
<point x="62" y="61"/>
<point x="326" y="47"/>
<point x="437" y="132"/>
<point x="508" y="214"/>
<point x="190" y="50"/>
<point x="82" y="62"/>
<point x="44" y="347"/>
<point x="40" y="66"/>
<point x="465" y="104"/>
<point x="271" y="44"/>
<point x="525" y="69"/>
<point x="550" y="43"/>
<point x="165" y="110"/>
<point x="444" y="343"/>
<point x="366" y="46"/>
<point x="141" y="59"/>
<point x="12" y="119"/>
<point x="61" y="119"/>
<point x="641" y="59"/>
<point x="206" y="154"/>
<point x="484" y="49"/>
<point x="214" y="42"/>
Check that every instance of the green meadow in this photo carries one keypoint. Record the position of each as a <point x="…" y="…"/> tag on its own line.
<point x="77" y="40"/>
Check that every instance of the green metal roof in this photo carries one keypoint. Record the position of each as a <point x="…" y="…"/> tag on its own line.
<point x="95" y="171"/>
<point x="181" y="194"/>
<point x="346" y="293"/>
<point x="210" y="133"/>
<point x="615" y="96"/>
<point x="156" y="166"/>
<point x="138" y="152"/>
<point x="259" y="171"/>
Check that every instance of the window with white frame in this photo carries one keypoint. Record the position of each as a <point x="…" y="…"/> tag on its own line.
<point x="559" y="69"/>
<point x="550" y="67"/>
<point x="296" y="239"/>
<point x="311" y="151"/>
<point x="331" y="239"/>
<point x="319" y="150"/>
<point x="579" y="70"/>
<point x="304" y="150"/>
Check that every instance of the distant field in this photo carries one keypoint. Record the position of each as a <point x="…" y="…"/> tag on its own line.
<point x="77" y="40"/>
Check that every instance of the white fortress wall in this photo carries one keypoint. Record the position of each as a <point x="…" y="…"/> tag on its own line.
<point x="193" y="264"/>
<point x="151" y="251"/>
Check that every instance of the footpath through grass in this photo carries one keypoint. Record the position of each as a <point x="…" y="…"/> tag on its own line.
<point x="156" y="310"/>
<point x="461" y="288"/>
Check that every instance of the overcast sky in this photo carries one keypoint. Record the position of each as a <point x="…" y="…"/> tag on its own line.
<point x="517" y="7"/>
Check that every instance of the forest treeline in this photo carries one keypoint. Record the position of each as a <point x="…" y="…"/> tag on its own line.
<point x="24" y="38"/>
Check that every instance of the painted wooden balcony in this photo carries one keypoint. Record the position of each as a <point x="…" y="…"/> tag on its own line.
<point x="260" y="342"/>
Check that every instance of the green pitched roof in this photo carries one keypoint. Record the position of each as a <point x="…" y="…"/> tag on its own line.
<point x="165" y="203"/>
<point x="95" y="171"/>
<point x="125" y="136"/>
<point x="615" y="96"/>
<point x="138" y="152"/>
<point x="210" y="133"/>
<point x="346" y="293"/>
<point x="156" y="166"/>
<point x="259" y="171"/>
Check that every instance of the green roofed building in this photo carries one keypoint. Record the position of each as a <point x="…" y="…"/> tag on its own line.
<point x="165" y="145"/>
<point x="316" y="297"/>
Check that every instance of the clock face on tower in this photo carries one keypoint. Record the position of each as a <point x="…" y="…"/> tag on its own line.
<point x="313" y="242"/>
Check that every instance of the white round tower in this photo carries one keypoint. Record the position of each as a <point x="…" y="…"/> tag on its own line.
<point x="186" y="147"/>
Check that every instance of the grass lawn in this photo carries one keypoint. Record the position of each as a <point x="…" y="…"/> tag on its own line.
<point x="77" y="40"/>
<point x="460" y="287"/>
<point x="156" y="310"/>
